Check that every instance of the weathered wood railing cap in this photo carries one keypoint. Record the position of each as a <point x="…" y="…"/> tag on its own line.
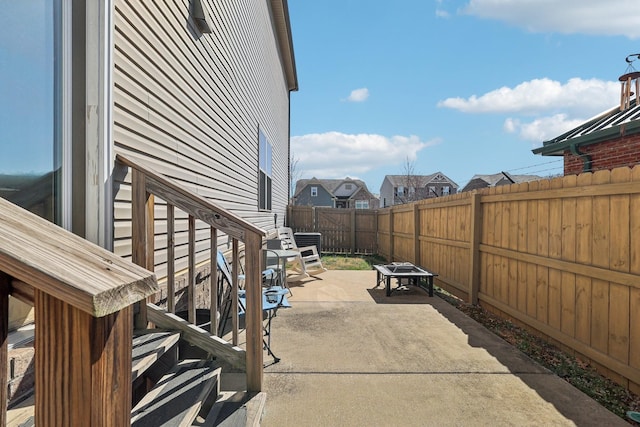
<point x="68" y="267"/>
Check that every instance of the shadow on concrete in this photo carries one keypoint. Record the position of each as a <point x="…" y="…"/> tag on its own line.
<point x="569" y="401"/>
<point x="412" y="295"/>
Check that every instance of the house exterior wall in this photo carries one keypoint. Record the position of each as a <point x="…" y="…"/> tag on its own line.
<point x="323" y="198"/>
<point x="190" y="105"/>
<point x="624" y="151"/>
<point x="386" y="194"/>
<point x="475" y="184"/>
<point x="364" y="195"/>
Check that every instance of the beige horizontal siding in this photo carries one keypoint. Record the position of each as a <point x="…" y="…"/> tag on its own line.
<point x="189" y="105"/>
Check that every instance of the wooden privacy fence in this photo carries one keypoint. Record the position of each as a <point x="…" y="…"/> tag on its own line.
<point x="561" y="256"/>
<point x="343" y="230"/>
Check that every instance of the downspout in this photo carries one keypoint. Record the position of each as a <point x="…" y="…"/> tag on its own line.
<point x="586" y="158"/>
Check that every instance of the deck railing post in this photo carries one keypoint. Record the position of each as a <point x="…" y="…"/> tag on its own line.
<point x="213" y="280"/>
<point x="253" y="286"/>
<point x="142" y="216"/>
<point x="4" y="345"/>
<point x="191" y="274"/>
<point x="171" y="260"/>
<point x="235" y="318"/>
<point x="89" y="356"/>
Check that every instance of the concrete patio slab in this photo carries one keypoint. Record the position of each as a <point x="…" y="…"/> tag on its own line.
<point x="353" y="357"/>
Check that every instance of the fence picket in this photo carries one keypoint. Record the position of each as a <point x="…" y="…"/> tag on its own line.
<point x="560" y="255"/>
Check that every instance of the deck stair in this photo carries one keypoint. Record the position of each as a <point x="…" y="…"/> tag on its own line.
<point x="176" y="399"/>
<point x="93" y="307"/>
<point x="183" y="393"/>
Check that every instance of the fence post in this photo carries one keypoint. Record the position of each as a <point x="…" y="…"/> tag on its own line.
<point x="390" y="234"/>
<point x="353" y="231"/>
<point x="474" y="256"/>
<point x="315" y="218"/>
<point x="416" y="234"/>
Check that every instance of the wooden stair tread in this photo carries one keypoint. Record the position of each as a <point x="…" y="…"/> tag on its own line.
<point x="149" y="347"/>
<point x="176" y="399"/>
<point x="235" y="409"/>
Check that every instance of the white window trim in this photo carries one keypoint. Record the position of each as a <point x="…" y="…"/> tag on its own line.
<point x="364" y="204"/>
<point x="99" y="122"/>
<point x="63" y="106"/>
<point x="268" y="201"/>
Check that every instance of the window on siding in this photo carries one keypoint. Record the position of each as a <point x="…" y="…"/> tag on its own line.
<point x="314" y="191"/>
<point x="362" y="204"/>
<point x="445" y="190"/>
<point x="432" y="191"/>
<point x="348" y="186"/>
<point x="264" y="191"/>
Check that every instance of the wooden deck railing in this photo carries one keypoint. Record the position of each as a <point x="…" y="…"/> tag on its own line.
<point x="83" y="297"/>
<point x="147" y="184"/>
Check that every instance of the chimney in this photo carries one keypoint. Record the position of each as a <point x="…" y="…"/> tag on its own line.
<point x="629" y="78"/>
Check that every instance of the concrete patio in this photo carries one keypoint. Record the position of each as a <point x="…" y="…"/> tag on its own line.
<point x="353" y="357"/>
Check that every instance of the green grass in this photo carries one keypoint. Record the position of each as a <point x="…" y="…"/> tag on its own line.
<point x="350" y="262"/>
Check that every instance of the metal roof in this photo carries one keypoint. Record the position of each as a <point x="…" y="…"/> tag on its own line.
<point x="606" y="126"/>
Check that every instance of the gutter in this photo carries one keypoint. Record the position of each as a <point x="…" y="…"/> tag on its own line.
<point x="586" y="158"/>
<point x="558" y="148"/>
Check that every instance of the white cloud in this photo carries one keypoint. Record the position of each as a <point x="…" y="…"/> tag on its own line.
<point x="441" y="13"/>
<point x="611" y="17"/>
<point x="577" y="96"/>
<point x="337" y="155"/>
<point x="542" y="108"/>
<point x="541" y="129"/>
<point x="358" y="95"/>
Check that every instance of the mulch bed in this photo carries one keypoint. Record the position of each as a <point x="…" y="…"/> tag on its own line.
<point x="578" y="373"/>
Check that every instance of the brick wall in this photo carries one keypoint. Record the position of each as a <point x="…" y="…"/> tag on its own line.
<point x="624" y="151"/>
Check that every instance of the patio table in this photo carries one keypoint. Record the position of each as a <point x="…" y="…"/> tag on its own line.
<point x="405" y="270"/>
<point x="284" y="255"/>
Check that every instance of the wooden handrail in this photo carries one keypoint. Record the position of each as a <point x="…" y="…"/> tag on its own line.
<point x="193" y="204"/>
<point x="83" y="297"/>
<point x="146" y="185"/>
<point x="67" y="267"/>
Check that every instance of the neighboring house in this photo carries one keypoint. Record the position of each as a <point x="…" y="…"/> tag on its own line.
<point x="187" y="95"/>
<point x="312" y="192"/>
<point x="335" y="193"/>
<point x="496" y="180"/>
<point x="400" y="189"/>
<point x="610" y="140"/>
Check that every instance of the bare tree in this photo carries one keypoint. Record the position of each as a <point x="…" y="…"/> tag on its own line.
<point x="410" y="183"/>
<point x="294" y="175"/>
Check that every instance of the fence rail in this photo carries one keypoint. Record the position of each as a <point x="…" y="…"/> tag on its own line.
<point x="561" y="256"/>
<point x="343" y="230"/>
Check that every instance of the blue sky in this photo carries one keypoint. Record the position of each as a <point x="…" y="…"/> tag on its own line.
<point x="463" y="87"/>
